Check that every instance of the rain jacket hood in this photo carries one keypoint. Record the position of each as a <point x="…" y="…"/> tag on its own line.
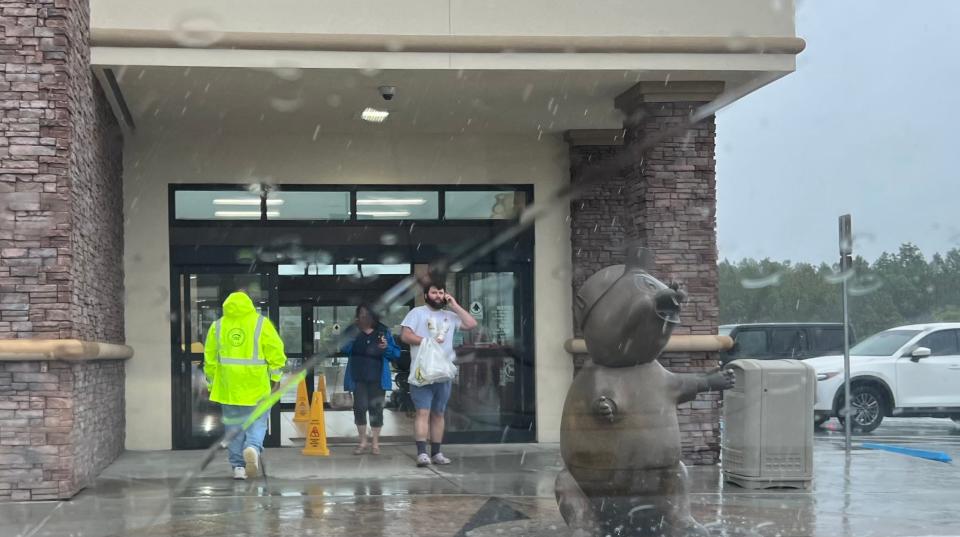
<point x="238" y="305"/>
<point x="243" y="353"/>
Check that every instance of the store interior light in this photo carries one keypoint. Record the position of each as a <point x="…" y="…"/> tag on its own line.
<point x="373" y="115"/>
<point x="392" y="201"/>
<point x="384" y="214"/>
<point x="245" y="201"/>
<point x="244" y="214"/>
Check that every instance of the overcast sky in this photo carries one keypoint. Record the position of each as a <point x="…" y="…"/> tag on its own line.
<point x="867" y="125"/>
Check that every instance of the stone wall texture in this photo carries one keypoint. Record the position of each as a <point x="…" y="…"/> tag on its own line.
<point x="598" y="217"/>
<point x="668" y="200"/>
<point x="59" y="427"/>
<point x="61" y="251"/>
<point x="99" y="422"/>
<point x="61" y="248"/>
<point x="96" y="196"/>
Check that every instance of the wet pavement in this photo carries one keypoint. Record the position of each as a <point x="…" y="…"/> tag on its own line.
<point x="492" y="490"/>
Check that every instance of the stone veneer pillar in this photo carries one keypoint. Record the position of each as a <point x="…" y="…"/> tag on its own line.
<point x="668" y="200"/>
<point x="61" y="256"/>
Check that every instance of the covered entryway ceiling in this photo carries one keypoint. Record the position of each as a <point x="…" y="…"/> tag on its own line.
<point x="321" y="101"/>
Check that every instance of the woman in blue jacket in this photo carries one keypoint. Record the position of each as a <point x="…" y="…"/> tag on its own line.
<point x="368" y="373"/>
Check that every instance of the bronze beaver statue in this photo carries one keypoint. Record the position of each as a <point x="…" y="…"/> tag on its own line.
<point x="619" y="435"/>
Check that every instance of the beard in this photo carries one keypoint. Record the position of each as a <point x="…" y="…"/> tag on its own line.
<point x="435" y="304"/>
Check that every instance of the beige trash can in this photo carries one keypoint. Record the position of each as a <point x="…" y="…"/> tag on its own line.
<point x="768" y="424"/>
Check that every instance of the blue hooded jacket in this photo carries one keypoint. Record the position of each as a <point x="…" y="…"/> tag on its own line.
<point x="390" y="354"/>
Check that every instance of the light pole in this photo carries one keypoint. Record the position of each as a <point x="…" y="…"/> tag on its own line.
<point x="846" y="265"/>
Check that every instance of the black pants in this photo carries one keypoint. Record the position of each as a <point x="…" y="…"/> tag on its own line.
<point x="368" y="397"/>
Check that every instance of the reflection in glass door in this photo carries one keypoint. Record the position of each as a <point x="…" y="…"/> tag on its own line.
<point x="196" y="305"/>
<point x="291" y="332"/>
<point x="329" y="323"/>
<point x="492" y="397"/>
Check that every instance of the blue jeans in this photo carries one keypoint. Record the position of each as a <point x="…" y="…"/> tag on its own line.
<point x="233" y="419"/>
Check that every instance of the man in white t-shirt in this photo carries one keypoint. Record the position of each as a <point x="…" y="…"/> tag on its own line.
<point x="430" y="400"/>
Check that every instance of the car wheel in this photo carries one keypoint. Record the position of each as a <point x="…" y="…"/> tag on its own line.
<point x="818" y="421"/>
<point x="867" y="407"/>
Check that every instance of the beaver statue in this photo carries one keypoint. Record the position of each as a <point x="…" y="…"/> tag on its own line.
<point x="619" y="435"/>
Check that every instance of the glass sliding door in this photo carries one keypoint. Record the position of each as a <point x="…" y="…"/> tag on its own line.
<point x="492" y="398"/>
<point x="197" y="303"/>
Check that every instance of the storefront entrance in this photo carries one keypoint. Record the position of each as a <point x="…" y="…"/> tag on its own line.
<point x="308" y="277"/>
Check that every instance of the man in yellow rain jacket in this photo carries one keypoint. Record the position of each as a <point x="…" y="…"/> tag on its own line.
<point x="243" y="359"/>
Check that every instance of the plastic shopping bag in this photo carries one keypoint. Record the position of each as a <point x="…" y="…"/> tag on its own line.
<point x="431" y="364"/>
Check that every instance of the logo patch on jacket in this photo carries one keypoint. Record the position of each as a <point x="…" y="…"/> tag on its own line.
<point x="236" y="337"/>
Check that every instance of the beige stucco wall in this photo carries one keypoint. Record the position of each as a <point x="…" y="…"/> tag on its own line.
<point x="154" y="161"/>
<point x="457" y="17"/>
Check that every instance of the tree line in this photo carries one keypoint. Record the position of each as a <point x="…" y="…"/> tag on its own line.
<point x="897" y="288"/>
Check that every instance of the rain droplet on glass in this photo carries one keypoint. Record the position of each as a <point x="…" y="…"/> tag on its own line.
<point x="286" y="105"/>
<point x="765" y="281"/>
<point x="196" y="29"/>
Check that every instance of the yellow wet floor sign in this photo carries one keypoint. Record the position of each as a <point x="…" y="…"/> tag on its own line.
<point x="302" y="412"/>
<point x="322" y="387"/>
<point x="316" y="429"/>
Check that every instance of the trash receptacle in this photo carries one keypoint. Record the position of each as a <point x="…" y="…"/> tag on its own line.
<point x="768" y="424"/>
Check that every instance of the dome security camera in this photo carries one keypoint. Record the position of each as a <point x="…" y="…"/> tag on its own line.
<point x="388" y="92"/>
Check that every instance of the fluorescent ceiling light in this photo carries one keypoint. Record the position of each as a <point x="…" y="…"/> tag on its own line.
<point x="373" y="115"/>
<point x="244" y="214"/>
<point x="392" y="201"/>
<point x="383" y="214"/>
<point x="245" y="201"/>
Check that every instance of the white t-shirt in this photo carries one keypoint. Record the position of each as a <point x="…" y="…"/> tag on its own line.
<point x="427" y="322"/>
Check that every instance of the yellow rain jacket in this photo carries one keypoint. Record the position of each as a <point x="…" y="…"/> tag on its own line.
<point x="243" y="353"/>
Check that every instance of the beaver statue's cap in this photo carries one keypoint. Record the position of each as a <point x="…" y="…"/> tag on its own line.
<point x="637" y="258"/>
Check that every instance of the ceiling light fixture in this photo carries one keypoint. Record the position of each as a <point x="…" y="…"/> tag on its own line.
<point x="245" y="201"/>
<point x="244" y="214"/>
<point x="373" y="115"/>
<point x="384" y="214"/>
<point x="392" y="201"/>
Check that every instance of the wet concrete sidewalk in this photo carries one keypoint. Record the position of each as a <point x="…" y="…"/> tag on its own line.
<point x="490" y="490"/>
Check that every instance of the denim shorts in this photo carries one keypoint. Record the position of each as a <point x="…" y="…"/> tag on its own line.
<point x="432" y="396"/>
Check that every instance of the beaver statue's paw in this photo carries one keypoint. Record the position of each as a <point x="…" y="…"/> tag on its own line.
<point x="722" y="379"/>
<point x="605" y="408"/>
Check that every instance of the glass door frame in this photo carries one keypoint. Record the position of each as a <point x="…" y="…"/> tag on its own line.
<point x="523" y="425"/>
<point x="306" y="349"/>
<point x="181" y="357"/>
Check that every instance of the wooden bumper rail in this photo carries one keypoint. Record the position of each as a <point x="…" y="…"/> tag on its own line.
<point x="27" y="350"/>
<point x="705" y="343"/>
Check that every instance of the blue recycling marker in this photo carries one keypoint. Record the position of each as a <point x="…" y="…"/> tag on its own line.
<point x="938" y="456"/>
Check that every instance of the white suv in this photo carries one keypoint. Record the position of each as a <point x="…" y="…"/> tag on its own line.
<point x="905" y="371"/>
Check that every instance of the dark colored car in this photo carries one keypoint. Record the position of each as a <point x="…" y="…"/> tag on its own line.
<point x="772" y="341"/>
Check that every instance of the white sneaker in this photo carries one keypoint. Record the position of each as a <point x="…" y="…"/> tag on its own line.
<point x="423" y="460"/>
<point x="240" y="473"/>
<point x="252" y="458"/>
<point x="440" y="459"/>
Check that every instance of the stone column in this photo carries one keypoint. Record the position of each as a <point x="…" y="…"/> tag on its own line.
<point x="599" y="215"/>
<point x="672" y="200"/>
<point x="61" y="253"/>
<point x="667" y="198"/>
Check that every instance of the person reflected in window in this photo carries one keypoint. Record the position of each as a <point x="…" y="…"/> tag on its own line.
<point x="368" y="373"/>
